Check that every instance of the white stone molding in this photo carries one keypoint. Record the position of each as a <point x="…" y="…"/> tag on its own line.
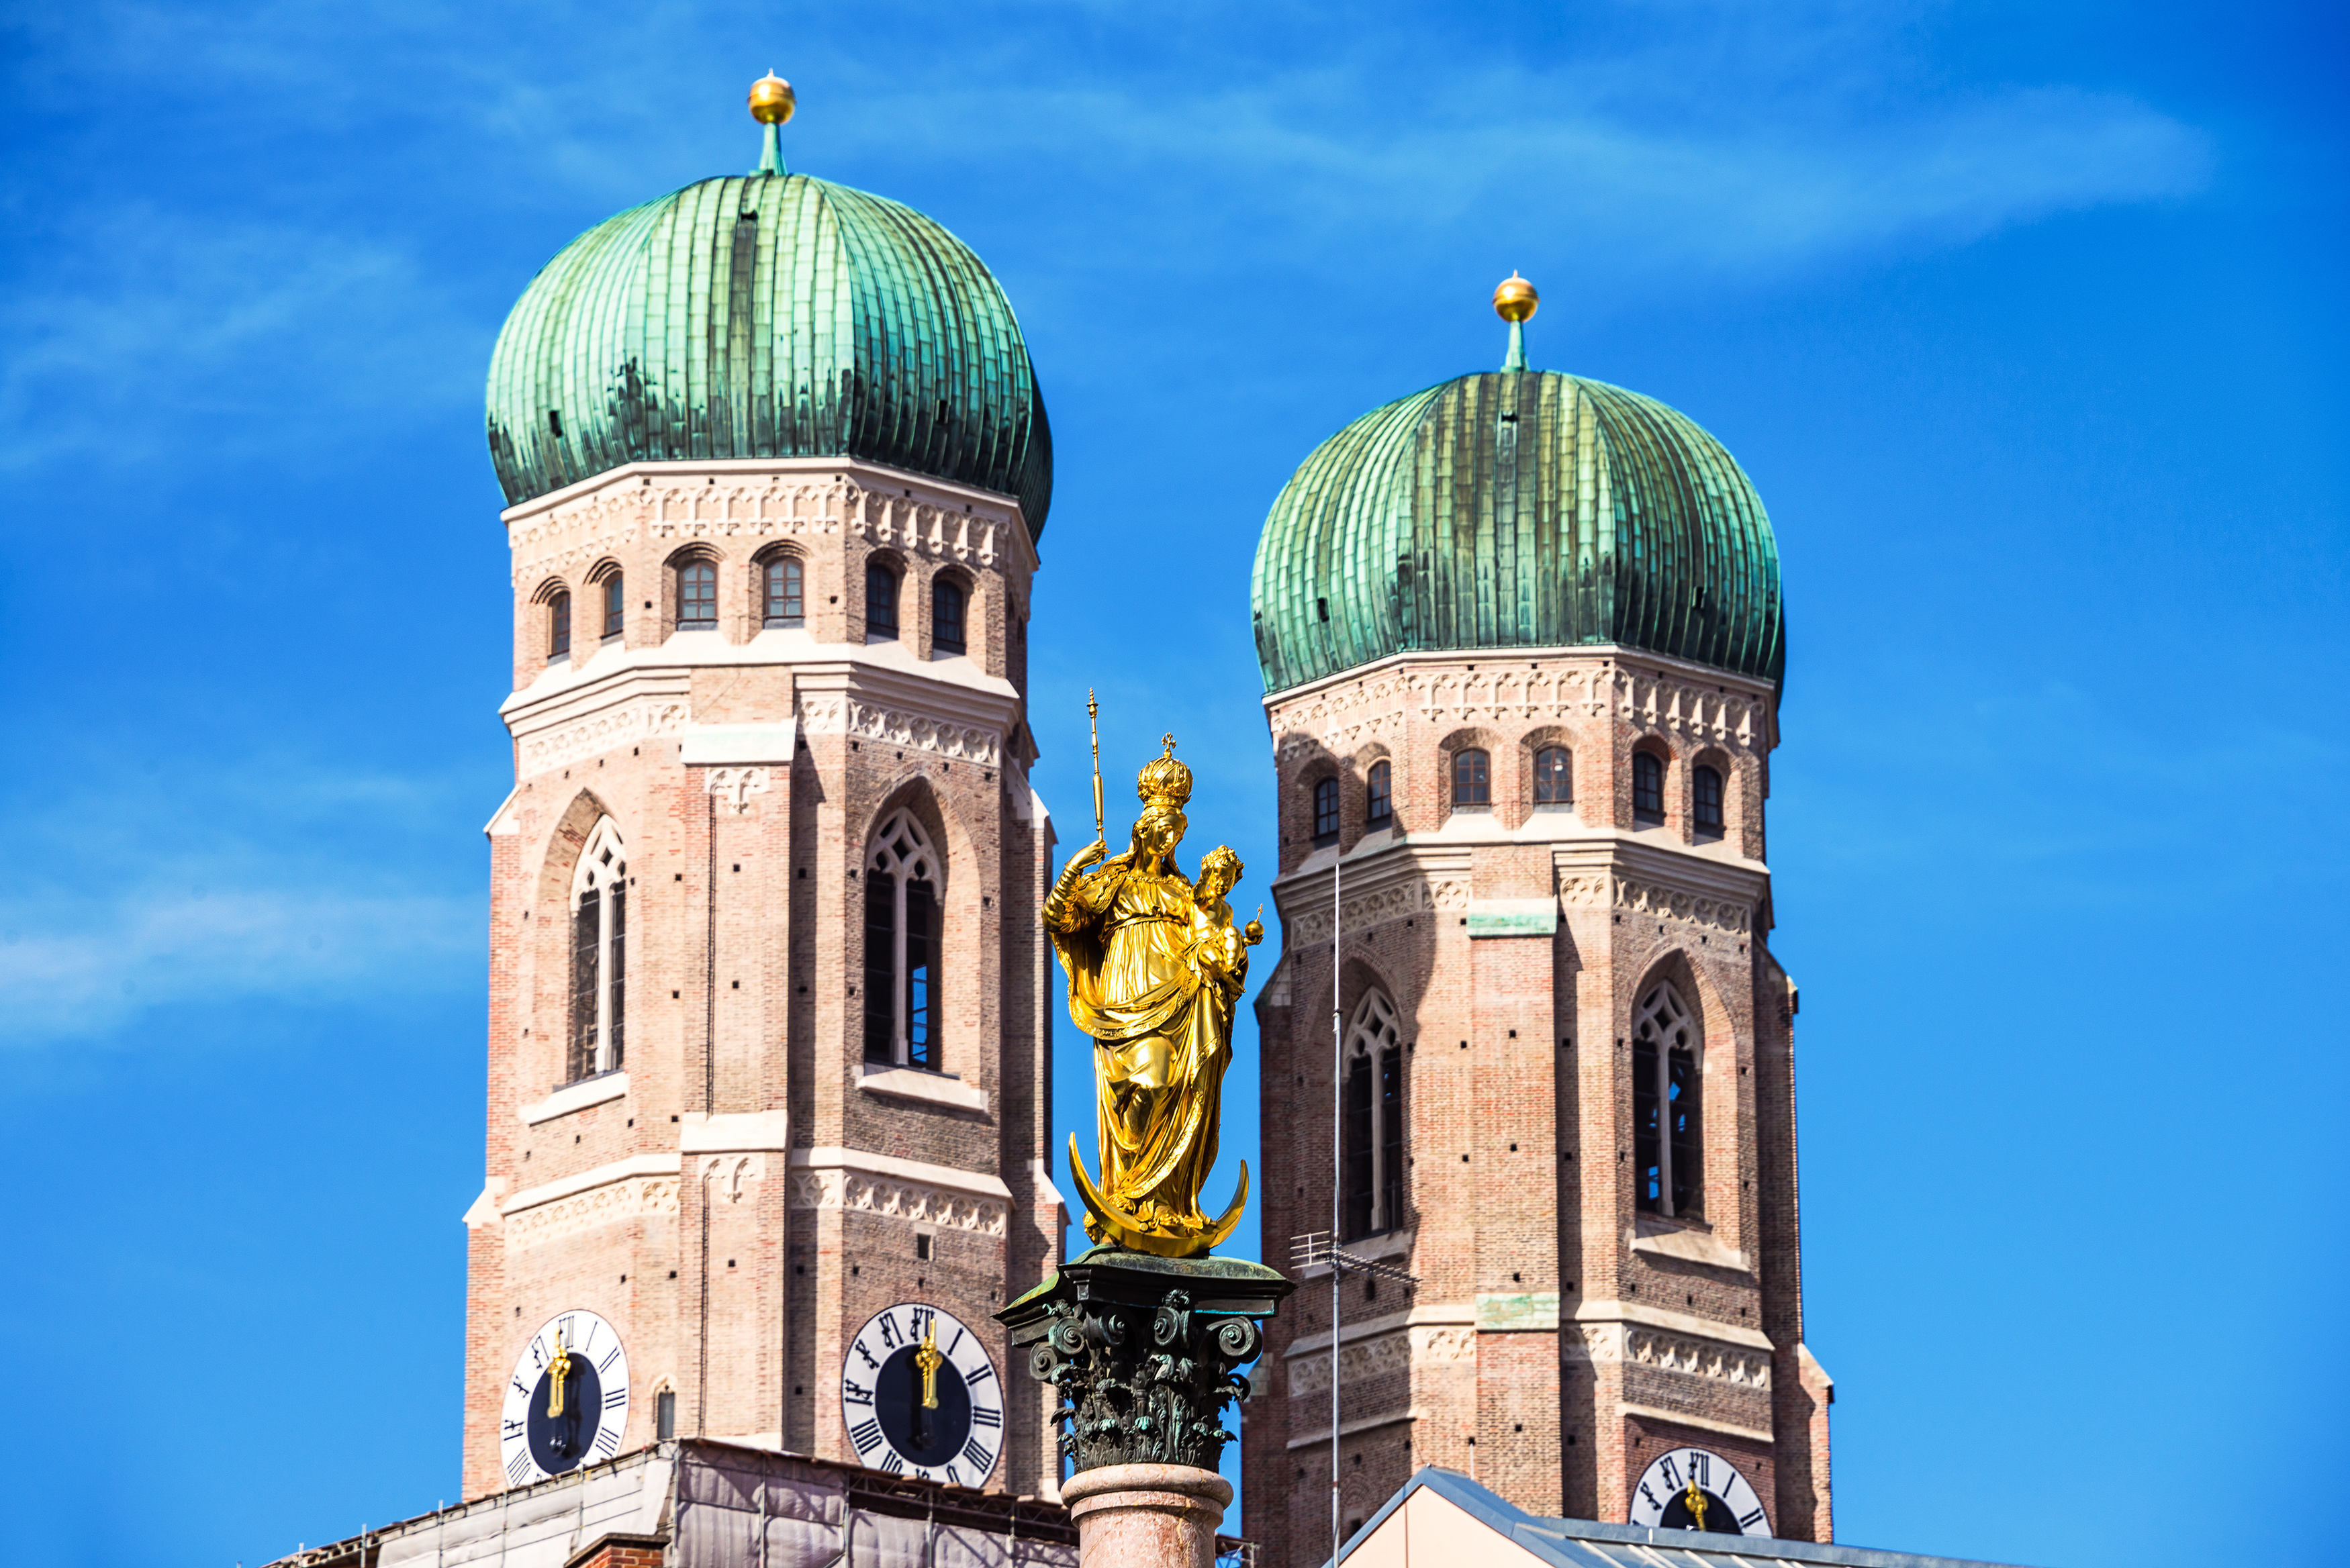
<point x="932" y="1088"/>
<point x="1444" y="1345"/>
<point x="577" y="1097"/>
<point x="735" y="787"/>
<point x="484" y="1209"/>
<point x="1763" y="1434"/>
<point x="1634" y="1345"/>
<point x="568" y="740"/>
<point x="724" y="1174"/>
<point x="1533" y="686"/>
<point x="1357" y="1360"/>
<point x="1598" y="887"/>
<point x="742" y="1132"/>
<point x="1387" y="900"/>
<point x="625" y="1189"/>
<point x="921" y="528"/>
<point x="1302" y="1419"/>
<point x="1687" y="1325"/>
<point x="903" y="1188"/>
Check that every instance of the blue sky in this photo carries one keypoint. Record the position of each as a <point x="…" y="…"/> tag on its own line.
<point x="2026" y="319"/>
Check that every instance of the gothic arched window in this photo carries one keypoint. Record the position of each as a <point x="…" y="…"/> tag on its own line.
<point x="880" y="601"/>
<point x="1667" y="1162"/>
<point x="901" y="946"/>
<point x="558" y="628"/>
<point x="1472" y="778"/>
<point x="946" y="615"/>
<point x="615" y="604"/>
<point x="1372" y="1139"/>
<point x="599" y="928"/>
<point x="1325" y="813"/>
<point x="697" y="596"/>
<point x="1379" y="798"/>
<point x="1647" y="787"/>
<point x="1554" y="776"/>
<point x="783" y="600"/>
<point x="1705" y="794"/>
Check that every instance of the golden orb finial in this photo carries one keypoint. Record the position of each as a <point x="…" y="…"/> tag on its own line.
<point x="772" y="100"/>
<point x="1515" y="300"/>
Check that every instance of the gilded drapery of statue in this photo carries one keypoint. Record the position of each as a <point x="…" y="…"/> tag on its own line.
<point x="1156" y="971"/>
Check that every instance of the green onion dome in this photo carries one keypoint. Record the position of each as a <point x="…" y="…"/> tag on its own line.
<point x="768" y="315"/>
<point x="1517" y="509"/>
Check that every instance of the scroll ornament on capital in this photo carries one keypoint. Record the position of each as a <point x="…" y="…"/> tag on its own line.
<point x="1156" y="969"/>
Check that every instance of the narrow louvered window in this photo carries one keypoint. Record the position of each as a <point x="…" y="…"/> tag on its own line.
<point x="1668" y="1159"/>
<point x="1473" y="783"/>
<point x="697" y="596"/>
<point x="558" y="628"/>
<point x="1371" y="1131"/>
<point x="1554" y="776"/>
<point x="599" y="955"/>
<point x="903" y="997"/>
<point x="1379" y="798"/>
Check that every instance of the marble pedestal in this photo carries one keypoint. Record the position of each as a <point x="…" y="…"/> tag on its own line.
<point x="1146" y="1516"/>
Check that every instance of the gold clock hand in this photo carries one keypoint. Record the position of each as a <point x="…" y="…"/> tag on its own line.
<point x="1696" y="1500"/>
<point x="558" y="1369"/>
<point x="929" y="1359"/>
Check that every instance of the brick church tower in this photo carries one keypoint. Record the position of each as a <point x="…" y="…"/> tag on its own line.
<point x="1523" y="640"/>
<point x="768" y="1034"/>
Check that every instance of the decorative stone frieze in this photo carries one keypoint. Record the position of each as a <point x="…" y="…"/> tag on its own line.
<point x="1588" y="889"/>
<point x="898" y="1198"/>
<point x="725" y="1174"/>
<point x="735" y="787"/>
<point x="1390" y="901"/>
<point x="826" y="714"/>
<point x="570" y="741"/>
<point x="1639" y="1345"/>
<point x="629" y="1198"/>
<point x="1310" y="1373"/>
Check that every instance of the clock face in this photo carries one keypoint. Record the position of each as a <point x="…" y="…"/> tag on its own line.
<point x="567" y="1401"/>
<point x="920" y="1396"/>
<point x="1691" y="1489"/>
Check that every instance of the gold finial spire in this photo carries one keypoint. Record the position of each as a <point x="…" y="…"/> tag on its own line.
<point x="772" y="103"/>
<point x="772" y="100"/>
<point x="1515" y="300"/>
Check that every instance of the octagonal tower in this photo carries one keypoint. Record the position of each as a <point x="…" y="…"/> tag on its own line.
<point x="1522" y="640"/>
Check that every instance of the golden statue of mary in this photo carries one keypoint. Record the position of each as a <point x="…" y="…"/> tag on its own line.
<point x="1156" y="972"/>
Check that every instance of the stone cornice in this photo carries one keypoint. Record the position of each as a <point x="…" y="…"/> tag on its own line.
<point x="1525" y="686"/>
<point x="760" y="499"/>
<point x="905" y="1189"/>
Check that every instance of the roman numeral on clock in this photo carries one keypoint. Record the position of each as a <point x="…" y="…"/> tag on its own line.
<point x="864" y="1435"/>
<point x="608" y="1442"/>
<point x="617" y="1398"/>
<point x="517" y="1428"/>
<point x="518" y="1467"/>
<point x="980" y="1457"/>
<point x="986" y="1415"/>
<point x="893" y="1464"/>
<point x="852" y="1393"/>
<point x="606" y="1365"/>
<point x="973" y="1379"/>
<point x="1748" y="1522"/>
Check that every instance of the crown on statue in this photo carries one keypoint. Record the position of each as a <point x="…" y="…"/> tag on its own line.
<point x="1164" y="780"/>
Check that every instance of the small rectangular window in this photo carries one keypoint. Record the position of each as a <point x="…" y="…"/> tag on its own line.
<point x="1325" y="813"/>
<point x="946" y="616"/>
<point x="615" y="602"/>
<point x="1647" y="787"/>
<point x="1473" y="783"/>
<point x="785" y="600"/>
<point x="880" y="602"/>
<point x="697" y="596"/>
<point x="1379" y="801"/>
<point x="922" y="1248"/>
<point x="558" y="628"/>
<point x="1705" y="790"/>
<point x="665" y="1415"/>
<point x="1553" y="777"/>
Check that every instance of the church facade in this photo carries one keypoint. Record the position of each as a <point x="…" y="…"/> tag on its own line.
<point x="1522" y="640"/>
<point x="768" y="1047"/>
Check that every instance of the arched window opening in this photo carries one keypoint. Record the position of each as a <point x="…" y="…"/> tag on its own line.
<point x="880" y="601"/>
<point x="1554" y="776"/>
<point x="785" y="599"/>
<point x="1647" y="787"/>
<point x="615" y="604"/>
<point x="1667" y="1157"/>
<point x="1379" y="798"/>
<point x="1705" y="790"/>
<point x="1371" y="1139"/>
<point x="946" y="615"/>
<point x="599" y="928"/>
<point x="697" y="596"/>
<point x="558" y="628"/>
<point x="1472" y="778"/>
<point x="902" y="1014"/>
<point x="1325" y="813"/>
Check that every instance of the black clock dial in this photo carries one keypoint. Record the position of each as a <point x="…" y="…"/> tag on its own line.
<point x="927" y="1437"/>
<point x="558" y="1443"/>
<point x="1717" y="1516"/>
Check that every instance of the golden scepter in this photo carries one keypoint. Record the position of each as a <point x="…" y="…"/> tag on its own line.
<point x="1093" y="722"/>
